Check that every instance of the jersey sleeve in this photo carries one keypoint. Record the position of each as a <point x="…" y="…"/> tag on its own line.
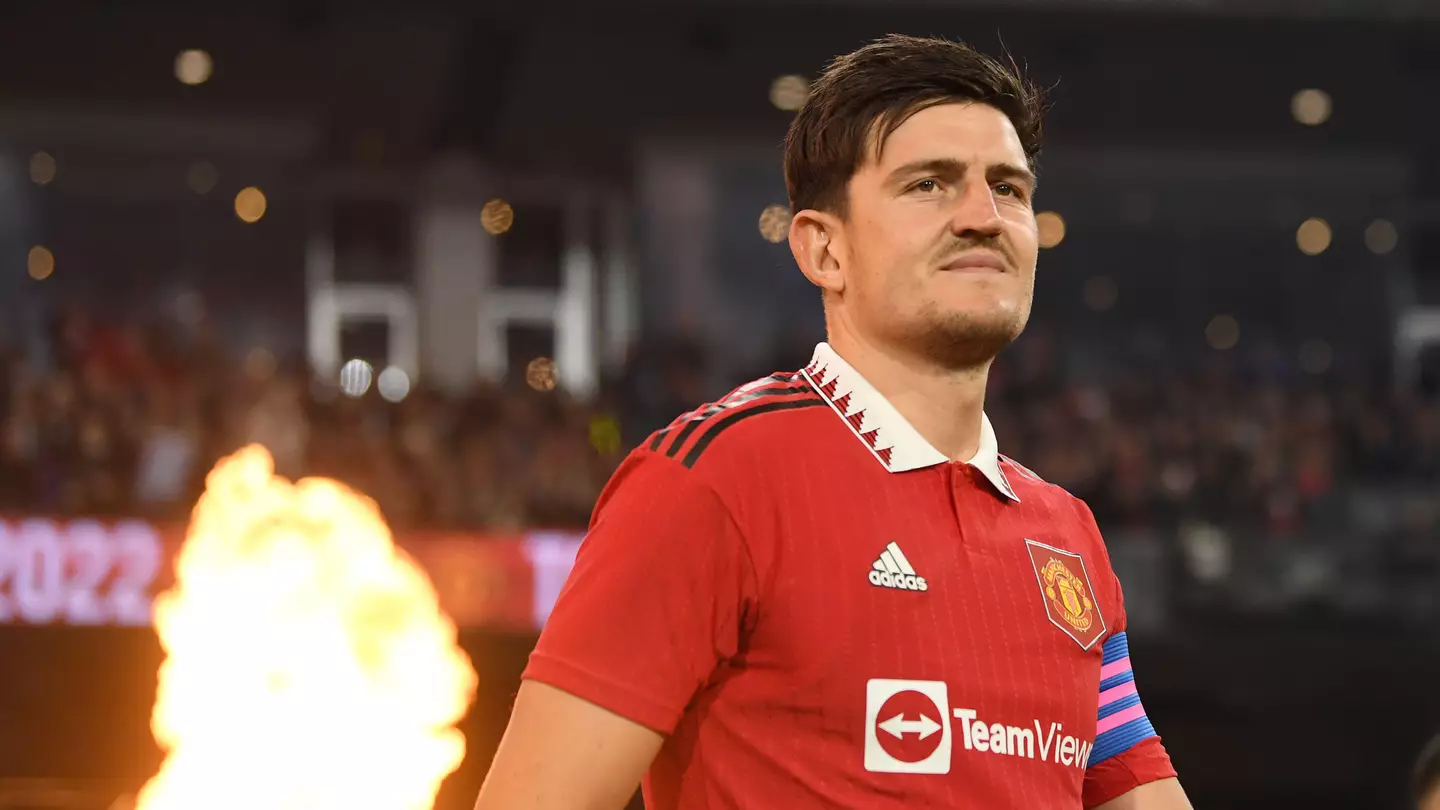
<point x="1127" y="752"/>
<point x="657" y="599"/>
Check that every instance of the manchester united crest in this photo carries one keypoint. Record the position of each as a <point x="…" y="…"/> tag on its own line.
<point x="1065" y="587"/>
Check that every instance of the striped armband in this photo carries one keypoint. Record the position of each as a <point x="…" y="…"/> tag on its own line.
<point x="1121" y="719"/>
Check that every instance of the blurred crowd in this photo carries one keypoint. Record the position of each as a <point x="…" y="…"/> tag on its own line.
<point x="124" y="420"/>
<point x="128" y="421"/>
<point x="1219" y="442"/>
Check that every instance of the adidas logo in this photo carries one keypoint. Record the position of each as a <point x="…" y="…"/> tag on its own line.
<point x="892" y="570"/>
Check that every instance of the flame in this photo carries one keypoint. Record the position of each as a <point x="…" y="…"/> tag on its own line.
<point x="308" y="664"/>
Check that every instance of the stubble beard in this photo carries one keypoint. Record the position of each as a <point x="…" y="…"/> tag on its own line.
<point x="961" y="341"/>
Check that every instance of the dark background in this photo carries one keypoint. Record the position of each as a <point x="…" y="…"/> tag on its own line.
<point x="1270" y="505"/>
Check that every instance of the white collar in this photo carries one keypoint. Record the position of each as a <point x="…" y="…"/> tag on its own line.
<point x="890" y="438"/>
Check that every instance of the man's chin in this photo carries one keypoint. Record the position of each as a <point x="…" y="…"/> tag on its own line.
<point x="972" y="339"/>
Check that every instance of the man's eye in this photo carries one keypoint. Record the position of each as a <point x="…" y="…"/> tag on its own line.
<point x="927" y="186"/>
<point x="1007" y="189"/>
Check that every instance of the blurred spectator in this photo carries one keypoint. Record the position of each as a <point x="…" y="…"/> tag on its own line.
<point x="169" y="452"/>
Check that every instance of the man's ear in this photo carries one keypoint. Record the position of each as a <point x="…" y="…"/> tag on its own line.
<point x="817" y="241"/>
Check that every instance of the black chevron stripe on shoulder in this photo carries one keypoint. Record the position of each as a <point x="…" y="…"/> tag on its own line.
<point x="714" y="429"/>
<point x="678" y="432"/>
<point x="704" y="416"/>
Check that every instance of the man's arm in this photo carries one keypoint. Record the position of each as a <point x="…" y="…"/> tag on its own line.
<point x="1128" y="759"/>
<point x="656" y="600"/>
<point x="564" y="753"/>
<point x="1165" y="794"/>
<point x="1129" y="768"/>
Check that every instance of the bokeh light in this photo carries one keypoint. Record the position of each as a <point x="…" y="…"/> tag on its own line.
<point x="540" y="374"/>
<point x="775" y="223"/>
<point x="250" y="204"/>
<point x="42" y="168"/>
<point x="1051" y="227"/>
<point x="788" y="93"/>
<point x="40" y="263"/>
<point x="496" y="217"/>
<point x="393" y="384"/>
<point x="202" y="177"/>
<point x="1311" y="107"/>
<point x="1223" y="332"/>
<point x="193" y="67"/>
<point x="1381" y="237"/>
<point x="1313" y="236"/>
<point x="355" y="377"/>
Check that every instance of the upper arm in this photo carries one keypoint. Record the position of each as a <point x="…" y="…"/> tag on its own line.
<point x="1127" y="754"/>
<point x="656" y="600"/>
<point x="563" y="752"/>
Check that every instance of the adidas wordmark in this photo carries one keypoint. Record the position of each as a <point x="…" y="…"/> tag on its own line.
<point x="892" y="570"/>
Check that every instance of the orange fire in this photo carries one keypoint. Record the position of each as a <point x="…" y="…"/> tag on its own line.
<point x="308" y="664"/>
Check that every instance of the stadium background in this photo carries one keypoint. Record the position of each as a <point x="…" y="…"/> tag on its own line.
<point x="522" y="235"/>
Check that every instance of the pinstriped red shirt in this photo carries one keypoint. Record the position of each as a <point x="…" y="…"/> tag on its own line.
<point x="818" y="609"/>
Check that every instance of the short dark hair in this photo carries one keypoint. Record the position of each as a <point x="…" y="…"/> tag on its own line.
<point x="1427" y="771"/>
<point x="870" y="92"/>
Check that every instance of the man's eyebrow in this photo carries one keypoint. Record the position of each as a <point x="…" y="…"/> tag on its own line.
<point x="944" y="167"/>
<point x="1012" y="172"/>
<point x="950" y="167"/>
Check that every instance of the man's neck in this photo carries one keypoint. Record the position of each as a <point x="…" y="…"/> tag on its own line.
<point x="945" y="406"/>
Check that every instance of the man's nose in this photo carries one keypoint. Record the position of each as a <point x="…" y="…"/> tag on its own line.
<point x="975" y="212"/>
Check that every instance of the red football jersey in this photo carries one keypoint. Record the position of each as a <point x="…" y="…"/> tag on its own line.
<point x="818" y="609"/>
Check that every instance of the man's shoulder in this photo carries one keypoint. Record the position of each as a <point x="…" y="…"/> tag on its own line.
<point x="719" y="452"/>
<point x="755" y="420"/>
<point x="1029" y="485"/>
<point x="1058" y="502"/>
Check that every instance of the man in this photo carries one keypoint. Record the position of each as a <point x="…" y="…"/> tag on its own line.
<point x="1427" y="777"/>
<point x="828" y="589"/>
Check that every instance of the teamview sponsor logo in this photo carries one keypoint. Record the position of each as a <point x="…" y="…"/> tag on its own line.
<point x="1052" y="743"/>
<point x="893" y="570"/>
<point x="909" y="729"/>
